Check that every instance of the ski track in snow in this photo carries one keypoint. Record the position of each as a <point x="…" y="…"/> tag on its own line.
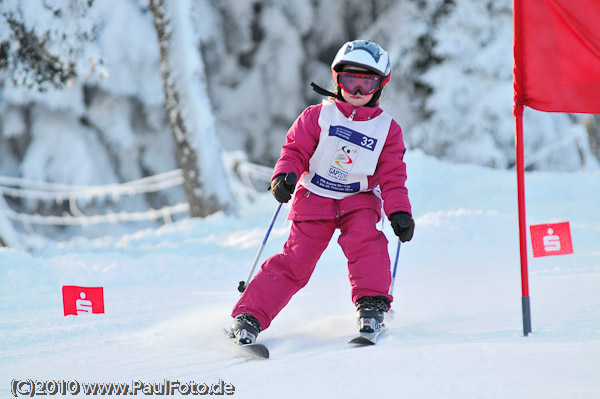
<point x="457" y="326"/>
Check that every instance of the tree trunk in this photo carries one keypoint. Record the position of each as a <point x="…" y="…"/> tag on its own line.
<point x="9" y="237"/>
<point x="189" y="111"/>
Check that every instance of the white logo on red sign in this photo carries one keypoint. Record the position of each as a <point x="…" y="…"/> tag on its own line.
<point x="82" y="300"/>
<point x="551" y="239"/>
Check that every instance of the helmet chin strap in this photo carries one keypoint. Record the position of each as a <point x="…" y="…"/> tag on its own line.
<point x="375" y="99"/>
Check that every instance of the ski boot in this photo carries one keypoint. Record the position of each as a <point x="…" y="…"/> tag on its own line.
<point x="244" y="329"/>
<point x="371" y="312"/>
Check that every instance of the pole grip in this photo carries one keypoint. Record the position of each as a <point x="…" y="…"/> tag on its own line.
<point x="403" y="220"/>
<point x="291" y="178"/>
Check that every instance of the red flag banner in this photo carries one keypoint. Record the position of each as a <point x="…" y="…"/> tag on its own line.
<point x="557" y="55"/>
<point x="82" y="300"/>
<point x="551" y="239"/>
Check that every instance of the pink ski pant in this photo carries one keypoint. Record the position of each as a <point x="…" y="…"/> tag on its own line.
<point x="282" y="275"/>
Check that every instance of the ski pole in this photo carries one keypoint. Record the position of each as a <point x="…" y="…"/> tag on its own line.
<point x="404" y="221"/>
<point x="395" y="268"/>
<point x="391" y="314"/>
<point x="290" y="180"/>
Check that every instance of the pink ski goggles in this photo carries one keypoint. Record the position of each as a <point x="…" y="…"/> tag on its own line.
<point x="358" y="82"/>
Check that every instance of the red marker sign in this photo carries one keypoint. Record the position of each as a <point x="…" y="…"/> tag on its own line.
<point x="551" y="239"/>
<point x="82" y="300"/>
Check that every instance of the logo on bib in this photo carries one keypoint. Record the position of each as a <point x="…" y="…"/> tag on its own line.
<point x="342" y="162"/>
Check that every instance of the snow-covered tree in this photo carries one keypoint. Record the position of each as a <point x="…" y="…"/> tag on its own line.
<point x="46" y="44"/>
<point x="468" y="113"/>
<point x="262" y="55"/>
<point x="189" y="109"/>
<point x="104" y="124"/>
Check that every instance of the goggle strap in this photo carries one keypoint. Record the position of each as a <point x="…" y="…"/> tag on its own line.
<point x="319" y="90"/>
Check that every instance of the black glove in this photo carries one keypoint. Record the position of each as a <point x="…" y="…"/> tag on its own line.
<point x="283" y="187"/>
<point x="403" y="225"/>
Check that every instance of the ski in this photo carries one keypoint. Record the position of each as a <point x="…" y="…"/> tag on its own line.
<point x="256" y="351"/>
<point x="365" y="338"/>
<point x="259" y="351"/>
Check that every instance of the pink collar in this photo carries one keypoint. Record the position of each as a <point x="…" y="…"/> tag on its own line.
<point x="361" y="114"/>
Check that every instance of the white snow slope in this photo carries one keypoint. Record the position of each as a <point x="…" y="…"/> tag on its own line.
<point x="457" y="332"/>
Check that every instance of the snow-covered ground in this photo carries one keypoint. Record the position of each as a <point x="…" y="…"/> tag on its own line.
<point x="457" y="330"/>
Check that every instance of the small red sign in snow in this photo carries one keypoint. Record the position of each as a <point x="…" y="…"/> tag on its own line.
<point x="82" y="300"/>
<point x="551" y="239"/>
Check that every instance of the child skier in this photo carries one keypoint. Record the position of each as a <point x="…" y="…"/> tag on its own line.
<point x="344" y="149"/>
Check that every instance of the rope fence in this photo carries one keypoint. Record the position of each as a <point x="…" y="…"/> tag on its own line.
<point x="19" y="188"/>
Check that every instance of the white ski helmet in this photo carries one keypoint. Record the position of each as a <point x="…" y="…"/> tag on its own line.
<point x="366" y="54"/>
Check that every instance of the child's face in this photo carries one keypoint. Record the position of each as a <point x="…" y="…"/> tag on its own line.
<point x="356" y="100"/>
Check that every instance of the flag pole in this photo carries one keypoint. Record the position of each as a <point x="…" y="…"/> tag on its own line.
<point x="519" y="105"/>
<point x="525" y="302"/>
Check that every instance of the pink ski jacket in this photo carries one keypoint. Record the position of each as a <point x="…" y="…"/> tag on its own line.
<point x="390" y="174"/>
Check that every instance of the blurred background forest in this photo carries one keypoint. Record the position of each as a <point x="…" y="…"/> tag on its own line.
<point x="82" y="99"/>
